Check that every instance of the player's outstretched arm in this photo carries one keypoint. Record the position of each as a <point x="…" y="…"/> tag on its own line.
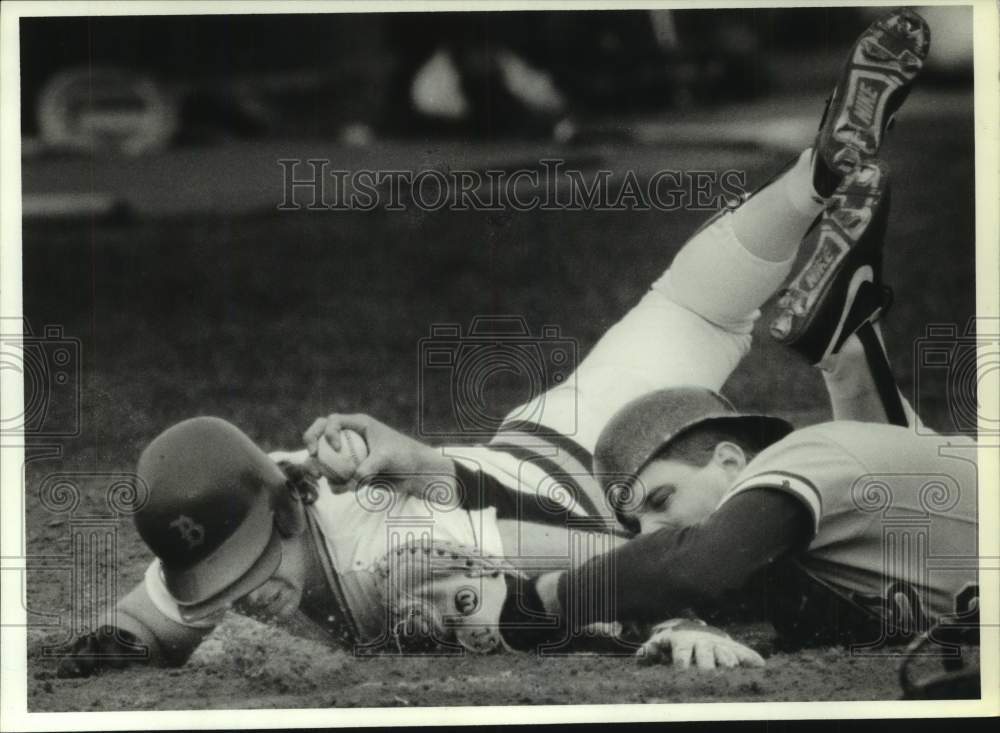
<point x="675" y="568"/>
<point x="141" y="635"/>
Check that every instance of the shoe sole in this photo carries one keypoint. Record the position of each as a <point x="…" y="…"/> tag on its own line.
<point x="810" y="296"/>
<point x="877" y="78"/>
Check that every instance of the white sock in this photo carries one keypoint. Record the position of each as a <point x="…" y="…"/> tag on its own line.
<point x="799" y="186"/>
<point x="771" y="224"/>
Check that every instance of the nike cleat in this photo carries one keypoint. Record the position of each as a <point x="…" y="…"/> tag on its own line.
<point x="839" y="289"/>
<point x="877" y="78"/>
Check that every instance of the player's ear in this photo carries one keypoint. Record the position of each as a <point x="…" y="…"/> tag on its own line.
<point x="730" y="456"/>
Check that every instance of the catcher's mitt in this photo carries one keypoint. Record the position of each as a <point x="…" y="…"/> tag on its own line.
<point x="440" y="597"/>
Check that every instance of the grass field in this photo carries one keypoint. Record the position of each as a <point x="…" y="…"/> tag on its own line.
<point x="273" y="319"/>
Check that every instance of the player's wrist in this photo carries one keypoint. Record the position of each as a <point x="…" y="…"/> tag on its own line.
<point x="685" y="624"/>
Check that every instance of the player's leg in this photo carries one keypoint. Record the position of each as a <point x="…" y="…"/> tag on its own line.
<point x="694" y="325"/>
<point x="861" y="386"/>
<point x="829" y="310"/>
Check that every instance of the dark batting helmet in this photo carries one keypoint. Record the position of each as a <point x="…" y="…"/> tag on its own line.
<point x="214" y="498"/>
<point x="640" y="430"/>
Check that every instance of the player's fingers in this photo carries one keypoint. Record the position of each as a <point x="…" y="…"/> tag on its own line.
<point x="332" y="430"/>
<point x="747" y="656"/>
<point x="312" y="434"/>
<point x="725" y="656"/>
<point x="704" y="654"/>
<point x="649" y="653"/>
<point x="357" y="421"/>
<point x="682" y="652"/>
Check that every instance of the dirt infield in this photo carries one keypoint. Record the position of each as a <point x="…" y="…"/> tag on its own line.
<point x="245" y="664"/>
<point x="269" y="320"/>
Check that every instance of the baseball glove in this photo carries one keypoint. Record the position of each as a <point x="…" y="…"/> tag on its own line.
<point x="108" y="647"/>
<point x="441" y="597"/>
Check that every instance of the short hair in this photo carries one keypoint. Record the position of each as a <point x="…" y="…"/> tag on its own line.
<point x="301" y="483"/>
<point x="696" y="446"/>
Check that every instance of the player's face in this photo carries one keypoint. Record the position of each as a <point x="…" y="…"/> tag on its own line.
<point x="280" y="595"/>
<point x="680" y="494"/>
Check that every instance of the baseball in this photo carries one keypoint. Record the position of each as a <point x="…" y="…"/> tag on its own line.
<point x="340" y="464"/>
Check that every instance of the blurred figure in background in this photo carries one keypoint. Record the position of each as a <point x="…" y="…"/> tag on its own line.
<point x="481" y="74"/>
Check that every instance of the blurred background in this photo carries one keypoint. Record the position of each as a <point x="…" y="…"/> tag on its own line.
<point x="151" y="188"/>
<point x="140" y="84"/>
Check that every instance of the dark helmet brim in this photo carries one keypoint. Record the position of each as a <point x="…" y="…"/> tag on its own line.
<point x="262" y="570"/>
<point x="250" y="555"/>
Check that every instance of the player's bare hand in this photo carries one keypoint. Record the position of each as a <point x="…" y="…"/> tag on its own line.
<point x="330" y="428"/>
<point x="394" y="459"/>
<point x="682" y="642"/>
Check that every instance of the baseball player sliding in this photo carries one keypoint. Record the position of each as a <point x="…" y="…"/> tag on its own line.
<point x="863" y="530"/>
<point x="442" y="545"/>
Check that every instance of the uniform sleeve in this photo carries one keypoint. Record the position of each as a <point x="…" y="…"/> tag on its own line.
<point x="658" y="575"/>
<point x="808" y="466"/>
<point x="168" y="639"/>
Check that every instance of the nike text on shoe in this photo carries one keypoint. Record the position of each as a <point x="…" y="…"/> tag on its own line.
<point x="839" y="288"/>
<point x="876" y="79"/>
